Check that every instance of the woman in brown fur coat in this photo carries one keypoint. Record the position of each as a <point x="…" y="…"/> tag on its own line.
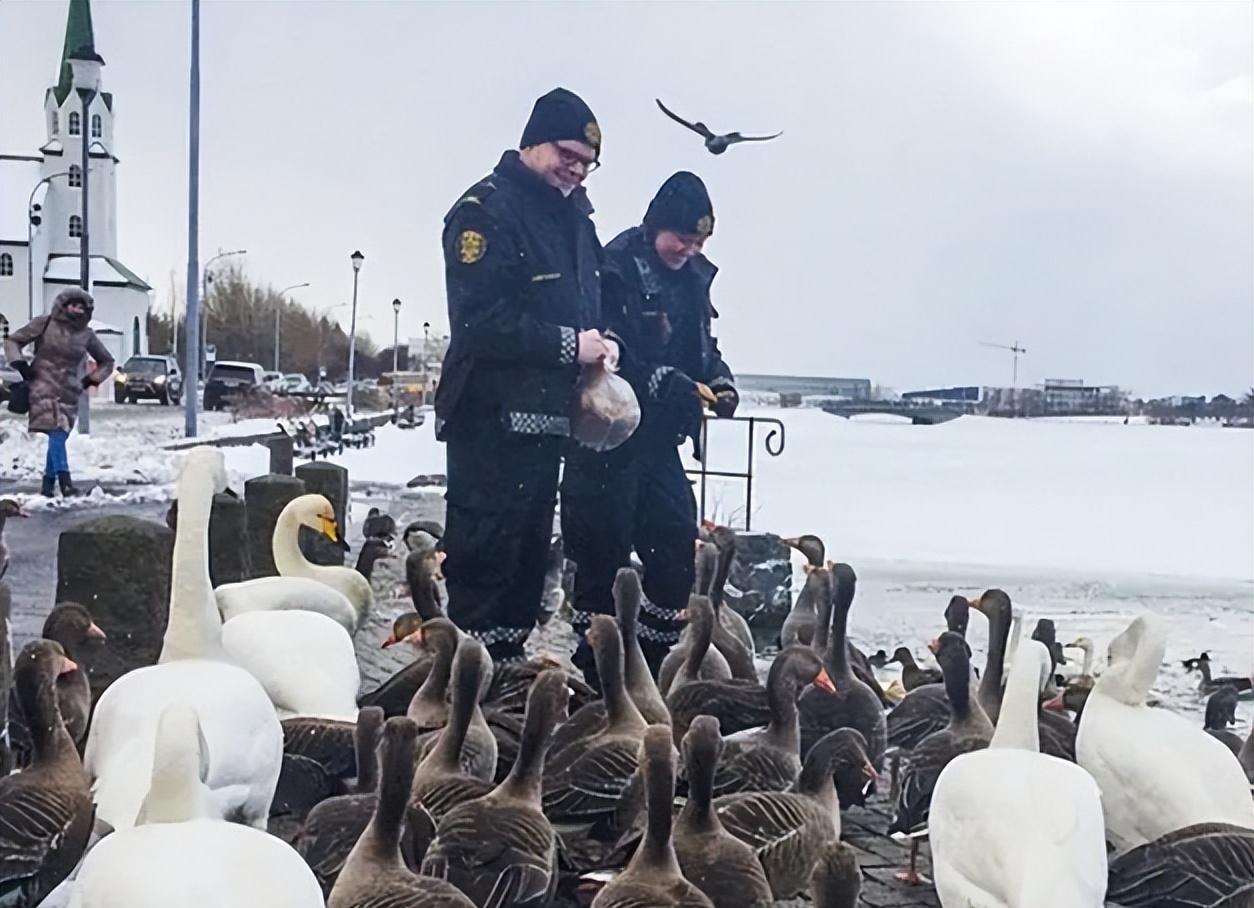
<point x="61" y="341"/>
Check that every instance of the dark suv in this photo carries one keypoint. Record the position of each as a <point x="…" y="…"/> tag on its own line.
<point x="152" y="377"/>
<point x="228" y="380"/>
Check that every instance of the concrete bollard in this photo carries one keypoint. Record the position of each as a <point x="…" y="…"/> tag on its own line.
<point x="119" y="568"/>
<point x="229" y="561"/>
<point x="331" y="481"/>
<point x="265" y="497"/>
<point x="282" y="454"/>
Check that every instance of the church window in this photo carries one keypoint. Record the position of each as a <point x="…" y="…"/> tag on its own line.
<point x="4" y="328"/>
<point x="6" y="265"/>
<point x="76" y="225"/>
<point x="97" y="130"/>
<point x="76" y="176"/>
<point x="135" y="337"/>
<point x="74" y="123"/>
<point x="56" y="123"/>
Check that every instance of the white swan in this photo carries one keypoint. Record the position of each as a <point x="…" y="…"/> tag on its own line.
<point x="1085" y="671"/>
<point x="304" y="660"/>
<point x="183" y="853"/>
<point x="340" y="593"/>
<point x="1012" y="827"/>
<point x="242" y="733"/>
<point x="1157" y="771"/>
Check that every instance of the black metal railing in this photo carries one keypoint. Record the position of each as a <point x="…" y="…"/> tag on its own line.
<point x="772" y="441"/>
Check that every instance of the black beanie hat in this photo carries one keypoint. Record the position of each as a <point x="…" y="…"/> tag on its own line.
<point x="561" y="114"/>
<point x="682" y="205"/>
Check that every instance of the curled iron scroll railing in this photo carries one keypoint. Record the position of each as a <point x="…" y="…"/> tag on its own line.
<point x="773" y="442"/>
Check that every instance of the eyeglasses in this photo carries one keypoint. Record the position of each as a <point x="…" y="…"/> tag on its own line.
<point x="572" y="159"/>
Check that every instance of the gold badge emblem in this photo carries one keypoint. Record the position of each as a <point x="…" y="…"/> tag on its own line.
<point x="471" y="246"/>
<point x="705" y="226"/>
<point x="592" y="133"/>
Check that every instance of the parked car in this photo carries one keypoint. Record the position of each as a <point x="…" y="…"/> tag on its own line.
<point x="272" y="380"/>
<point x="151" y="377"/>
<point x="227" y="379"/>
<point x="295" y="383"/>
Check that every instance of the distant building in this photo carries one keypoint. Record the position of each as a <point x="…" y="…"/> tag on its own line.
<point x="1072" y="397"/>
<point x="807" y="385"/>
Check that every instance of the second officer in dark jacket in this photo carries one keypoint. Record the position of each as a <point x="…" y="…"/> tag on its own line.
<point x="656" y="297"/>
<point x="522" y="268"/>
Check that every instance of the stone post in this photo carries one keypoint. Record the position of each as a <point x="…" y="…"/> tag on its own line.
<point x="229" y="558"/>
<point x="119" y="568"/>
<point x="265" y="497"/>
<point x="282" y="454"/>
<point x="331" y="481"/>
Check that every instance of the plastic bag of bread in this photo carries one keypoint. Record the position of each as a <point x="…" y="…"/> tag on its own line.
<point x="606" y="409"/>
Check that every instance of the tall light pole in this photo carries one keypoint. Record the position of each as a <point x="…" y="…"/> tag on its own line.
<point x="426" y="348"/>
<point x="278" y="309"/>
<point x="191" y="346"/>
<point x="33" y="220"/>
<point x="356" y="258"/>
<point x="85" y="65"/>
<point x="396" y="349"/>
<point x="204" y="317"/>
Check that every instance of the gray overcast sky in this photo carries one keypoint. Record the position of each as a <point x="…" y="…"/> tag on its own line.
<point x="1074" y="176"/>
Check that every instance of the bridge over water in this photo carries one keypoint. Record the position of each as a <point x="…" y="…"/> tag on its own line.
<point x="918" y="414"/>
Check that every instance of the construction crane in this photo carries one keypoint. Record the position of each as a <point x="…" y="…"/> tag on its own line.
<point x="1015" y="349"/>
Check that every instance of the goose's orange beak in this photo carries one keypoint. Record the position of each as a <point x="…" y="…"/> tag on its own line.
<point x="824" y="680"/>
<point x="95" y="633"/>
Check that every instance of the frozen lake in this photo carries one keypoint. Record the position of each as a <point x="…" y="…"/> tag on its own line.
<point x="1088" y="522"/>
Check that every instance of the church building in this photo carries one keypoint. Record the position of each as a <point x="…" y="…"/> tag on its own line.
<point x="41" y="208"/>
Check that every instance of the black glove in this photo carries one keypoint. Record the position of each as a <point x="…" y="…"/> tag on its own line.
<point x="87" y="382"/>
<point x="726" y="400"/>
<point x="677" y="394"/>
<point x="22" y="368"/>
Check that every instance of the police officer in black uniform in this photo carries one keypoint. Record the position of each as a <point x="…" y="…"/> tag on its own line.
<point x="656" y="298"/>
<point x="522" y="267"/>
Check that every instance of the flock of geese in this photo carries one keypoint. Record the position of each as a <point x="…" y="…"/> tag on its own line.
<point x="245" y="768"/>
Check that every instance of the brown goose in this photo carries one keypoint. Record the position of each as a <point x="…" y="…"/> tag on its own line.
<point x="925" y="709"/>
<point x="765" y="758"/>
<point x="716" y="862"/>
<point x="332" y="827"/>
<point x="694" y="656"/>
<point x="500" y="849"/>
<point x="8" y="508"/>
<point x="1221" y="711"/>
<point x="854" y="704"/>
<point x="731" y="634"/>
<point x="788" y="830"/>
<point x="837" y="878"/>
<point x="994" y="605"/>
<point x="589" y="719"/>
<point x="72" y="626"/>
<point x="968" y="729"/>
<point x="653" y="877"/>
<point x="913" y="675"/>
<point x="859" y="662"/>
<point x="1206" y="864"/>
<point x="374" y="875"/>
<point x="443" y="779"/>
<point x="471" y="661"/>
<point x="799" y="626"/>
<point x="46" y="810"/>
<point x="428" y="708"/>
<point x="1210" y="684"/>
<point x="583" y="784"/>
<point x="810" y="546"/>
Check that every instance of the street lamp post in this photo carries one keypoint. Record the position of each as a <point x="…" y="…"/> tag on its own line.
<point x="85" y="65"/>
<point x="205" y="280"/>
<point x="396" y="349"/>
<point x="33" y="220"/>
<point x="356" y="258"/>
<point x="278" y="309"/>
<point x="426" y="351"/>
<point x="191" y="323"/>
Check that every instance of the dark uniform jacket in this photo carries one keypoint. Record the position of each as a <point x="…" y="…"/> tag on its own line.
<point x="664" y="319"/>
<point x="522" y="268"/>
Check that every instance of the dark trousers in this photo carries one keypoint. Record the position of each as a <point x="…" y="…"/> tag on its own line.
<point x="641" y="499"/>
<point x="502" y="495"/>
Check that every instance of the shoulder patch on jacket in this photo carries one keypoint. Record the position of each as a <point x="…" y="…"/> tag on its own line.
<point x="471" y="246"/>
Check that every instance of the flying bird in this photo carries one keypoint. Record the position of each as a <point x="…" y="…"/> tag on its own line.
<point x="715" y="144"/>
